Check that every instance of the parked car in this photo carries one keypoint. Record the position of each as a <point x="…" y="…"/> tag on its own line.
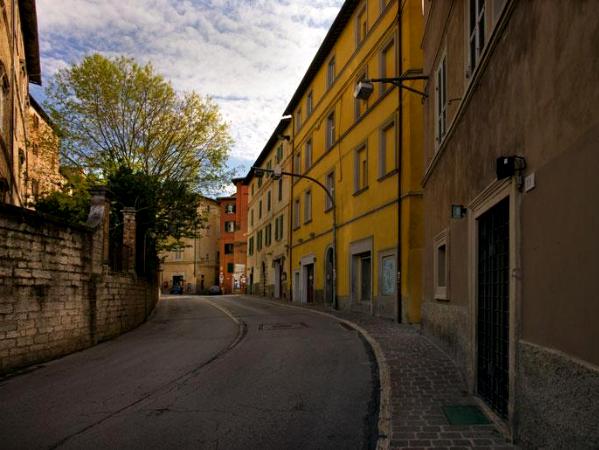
<point x="214" y="290"/>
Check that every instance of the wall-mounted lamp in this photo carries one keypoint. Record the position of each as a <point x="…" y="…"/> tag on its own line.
<point x="364" y="88"/>
<point x="508" y="166"/>
<point x="284" y="137"/>
<point x="458" y="211"/>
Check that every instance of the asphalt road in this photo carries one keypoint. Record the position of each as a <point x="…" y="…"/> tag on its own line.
<point x="204" y="372"/>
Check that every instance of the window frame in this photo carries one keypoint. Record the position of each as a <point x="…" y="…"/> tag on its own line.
<point x="330" y="131"/>
<point x="383" y="170"/>
<point x="441" y="240"/>
<point x="309" y="103"/>
<point x="358" y="186"/>
<point x="328" y="204"/>
<point x="441" y="101"/>
<point x="307" y="206"/>
<point x="308" y="153"/>
<point x="331" y="69"/>
<point x="383" y="69"/>
<point x="362" y="12"/>
<point x="360" y="103"/>
<point x="296" y="213"/>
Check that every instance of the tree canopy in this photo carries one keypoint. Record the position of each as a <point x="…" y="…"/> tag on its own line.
<point x="114" y="112"/>
<point x="124" y="126"/>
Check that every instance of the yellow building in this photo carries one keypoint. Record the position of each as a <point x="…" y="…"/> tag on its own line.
<point x="268" y="218"/>
<point x="194" y="266"/>
<point x="369" y="154"/>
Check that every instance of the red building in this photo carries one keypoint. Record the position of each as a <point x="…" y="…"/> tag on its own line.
<point x="233" y="243"/>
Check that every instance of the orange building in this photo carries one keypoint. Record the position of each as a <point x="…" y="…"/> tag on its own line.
<point x="233" y="243"/>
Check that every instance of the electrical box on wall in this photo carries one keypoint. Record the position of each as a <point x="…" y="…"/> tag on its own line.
<point x="506" y="167"/>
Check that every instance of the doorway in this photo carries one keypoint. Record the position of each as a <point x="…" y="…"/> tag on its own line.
<point x="309" y="283"/>
<point x="328" y="276"/>
<point x="278" y="267"/>
<point x="493" y="312"/>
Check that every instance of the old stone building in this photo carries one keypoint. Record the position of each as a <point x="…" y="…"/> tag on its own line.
<point x="43" y="159"/>
<point x="193" y="266"/>
<point x="510" y="205"/>
<point x="19" y="65"/>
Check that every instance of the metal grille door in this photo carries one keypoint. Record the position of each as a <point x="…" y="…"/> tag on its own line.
<point x="493" y="307"/>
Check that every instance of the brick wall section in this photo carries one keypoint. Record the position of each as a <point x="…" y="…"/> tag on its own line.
<point x="56" y="294"/>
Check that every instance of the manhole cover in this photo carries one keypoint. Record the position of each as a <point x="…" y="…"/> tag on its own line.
<point x="465" y="415"/>
<point x="281" y="326"/>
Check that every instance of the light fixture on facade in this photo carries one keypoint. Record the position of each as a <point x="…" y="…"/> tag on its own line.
<point x="364" y="88"/>
<point x="458" y="211"/>
<point x="284" y="137"/>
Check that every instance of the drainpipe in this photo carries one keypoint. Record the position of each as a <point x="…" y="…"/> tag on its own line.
<point x="290" y="280"/>
<point x="399" y="309"/>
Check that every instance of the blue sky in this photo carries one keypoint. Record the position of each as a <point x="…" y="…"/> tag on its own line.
<point x="249" y="55"/>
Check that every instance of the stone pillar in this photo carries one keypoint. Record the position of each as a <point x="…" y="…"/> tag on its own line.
<point x="99" y="221"/>
<point x="129" y="230"/>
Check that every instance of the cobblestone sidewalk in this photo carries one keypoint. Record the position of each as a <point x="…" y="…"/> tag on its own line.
<point x="423" y="380"/>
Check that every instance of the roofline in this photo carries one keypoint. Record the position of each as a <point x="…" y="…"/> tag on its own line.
<point x="28" y="14"/>
<point x="323" y="52"/>
<point x="271" y="141"/>
<point x="33" y="102"/>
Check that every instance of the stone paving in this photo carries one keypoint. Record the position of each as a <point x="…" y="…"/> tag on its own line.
<point x="423" y="380"/>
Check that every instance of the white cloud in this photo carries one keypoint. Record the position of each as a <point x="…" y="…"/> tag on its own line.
<point x="249" y="55"/>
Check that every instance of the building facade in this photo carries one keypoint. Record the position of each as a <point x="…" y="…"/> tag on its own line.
<point x="194" y="265"/>
<point x="43" y="159"/>
<point x="368" y="153"/>
<point x="19" y="65"/>
<point x="510" y="205"/>
<point x="268" y="218"/>
<point x="233" y="242"/>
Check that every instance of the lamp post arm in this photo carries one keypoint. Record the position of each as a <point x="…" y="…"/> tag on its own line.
<point x="331" y="198"/>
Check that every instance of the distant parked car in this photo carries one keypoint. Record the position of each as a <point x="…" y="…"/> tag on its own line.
<point x="176" y="290"/>
<point x="214" y="290"/>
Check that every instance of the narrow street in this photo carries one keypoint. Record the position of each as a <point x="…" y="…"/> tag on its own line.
<point x="203" y="372"/>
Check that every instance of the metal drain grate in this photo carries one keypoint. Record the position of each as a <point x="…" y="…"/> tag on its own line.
<point x="465" y="415"/>
<point x="281" y="326"/>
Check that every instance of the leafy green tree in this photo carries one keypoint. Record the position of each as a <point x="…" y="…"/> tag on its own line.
<point x="113" y="112"/>
<point x="155" y="149"/>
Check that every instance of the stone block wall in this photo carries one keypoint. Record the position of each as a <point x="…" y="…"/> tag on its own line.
<point x="56" y="294"/>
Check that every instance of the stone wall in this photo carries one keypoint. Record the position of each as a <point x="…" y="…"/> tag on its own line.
<point x="57" y="295"/>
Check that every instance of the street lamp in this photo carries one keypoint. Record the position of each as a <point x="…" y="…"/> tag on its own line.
<point x="277" y="173"/>
<point x="364" y="88"/>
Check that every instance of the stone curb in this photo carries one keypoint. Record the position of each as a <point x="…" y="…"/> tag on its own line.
<point x="384" y="422"/>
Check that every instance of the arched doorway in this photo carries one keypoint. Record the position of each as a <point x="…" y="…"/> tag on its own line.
<point x="328" y="275"/>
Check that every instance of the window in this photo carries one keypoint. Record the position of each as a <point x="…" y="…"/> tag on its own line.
<point x="307" y="206"/>
<point x="230" y="267"/>
<point x="360" y="106"/>
<point x="279" y="228"/>
<point x="251" y="246"/>
<point x="279" y="156"/>
<point x="387" y="149"/>
<point x="361" y="169"/>
<point x="476" y="32"/>
<point x="280" y="189"/>
<point x="361" y="26"/>
<point x="178" y="253"/>
<point x="251" y="217"/>
<point x="330" y="184"/>
<point x="253" y="188"/>
<point x="330" y="132"/>
<point x="4" y="90"/>
<point x="387" y="65"/>
<point x="230" y="226"/>
<point x="298" y="119"/>
<point x="309" y="104"/>
<point x="441" y="265"/>
<point x="331" y="72"/>
<point x="267" y="235"/>
<point x="259" y="182"/>
<point x="308" y="155"/>
<point x="296" y="213"/>
<point x="228" y="249"/>
<point x="441" y="101"/>
<point x="268" y="201"/>
<point x="297" y="163"/>
<point x="260" y="209"/>
<point x="230" y="208"/>
<point x="259" y="241"/>
<point x="269" y="165"/>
